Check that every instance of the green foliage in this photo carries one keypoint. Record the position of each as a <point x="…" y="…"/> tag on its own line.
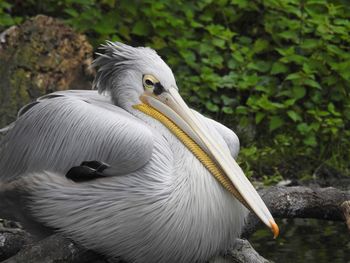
<point x="276" y="71"/>
<point x="6" y="19"/>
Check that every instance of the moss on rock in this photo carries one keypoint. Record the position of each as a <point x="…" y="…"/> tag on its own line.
<point x="38" y="57"/>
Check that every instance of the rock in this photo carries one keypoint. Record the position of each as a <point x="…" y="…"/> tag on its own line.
<point x="38" y="57"/>
<point x="12" y="239"/>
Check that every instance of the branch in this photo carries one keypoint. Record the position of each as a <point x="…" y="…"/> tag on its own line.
<point x="302" y="202"/>
<point x="283" y="202"/>
<point x="243" y="252"/>
<point x="55" y="248"/>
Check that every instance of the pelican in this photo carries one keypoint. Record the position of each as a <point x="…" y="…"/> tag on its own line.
<point x="127" y="169"/>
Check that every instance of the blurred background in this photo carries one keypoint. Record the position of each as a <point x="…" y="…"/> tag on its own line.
<point x="276" y="72"/>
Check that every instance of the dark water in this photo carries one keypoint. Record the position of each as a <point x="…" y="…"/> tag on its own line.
<point x="305" y="240"/>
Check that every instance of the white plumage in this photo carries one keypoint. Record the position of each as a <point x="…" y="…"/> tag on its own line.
<point x="155" y="203"/>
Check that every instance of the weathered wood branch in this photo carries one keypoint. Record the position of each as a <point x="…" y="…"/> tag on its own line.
<point x="284" y="202"/>
<point x="54" y="249"/>
<point x="301" y="202"/>
<point x="243" y="252"/>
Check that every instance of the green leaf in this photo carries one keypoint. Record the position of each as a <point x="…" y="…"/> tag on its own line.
<point x="275" y="123"/>
<point x="219" y="42"/>
<point x="310" y="43"/>
<point x="227" y="100"/>
<point x="297" y="59"/>
<point x="238" y="57"/>
<point x="331" y="109"/>
<point x="285" y="51"/>
<point x="312" y="83"/>
<point x="140" y="29"/>
<point x="298" y="92"/>
<point x="294" y="116"/>
<point x="260" y="45"/>
<point x="215" y="29"/>
<point x="189" y="56"/>
<point x="242" y="110"/>
<point x="72" y="12"/>
<point x="111" y="3"/>
<point x="278" y="68"/>
<point x="294" y="76"/>
<point x="260" y="66"/>
<point x="259" y="117"/>
<point x="158" y="43"/>
<point x="232" y="64"/>
<point x="227" y="110"/>
<point x="212" y="107"/>
<point x="290" y="35"/>
<point x="303" y="128"/>
<point x="310" y="141"/>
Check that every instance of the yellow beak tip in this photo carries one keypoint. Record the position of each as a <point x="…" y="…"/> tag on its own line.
<point x="275" y="229"/>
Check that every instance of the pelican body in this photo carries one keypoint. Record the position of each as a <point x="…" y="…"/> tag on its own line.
<point x="170" y="189"/>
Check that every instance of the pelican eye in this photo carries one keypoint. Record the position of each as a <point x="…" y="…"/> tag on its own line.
<point x="149" y="81"/>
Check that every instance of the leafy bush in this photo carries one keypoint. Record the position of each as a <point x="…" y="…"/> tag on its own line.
<point x="275" y="71"/>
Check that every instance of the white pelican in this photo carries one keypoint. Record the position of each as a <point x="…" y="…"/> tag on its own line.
<point x="128" y="170"/>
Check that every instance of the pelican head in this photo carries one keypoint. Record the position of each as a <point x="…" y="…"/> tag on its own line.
<point x="120" y="65"/>
<point x="137" y="78"/>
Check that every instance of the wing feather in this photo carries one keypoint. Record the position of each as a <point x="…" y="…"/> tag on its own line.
<point x="229" y="137"/>
<point x="62" y="131"/>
